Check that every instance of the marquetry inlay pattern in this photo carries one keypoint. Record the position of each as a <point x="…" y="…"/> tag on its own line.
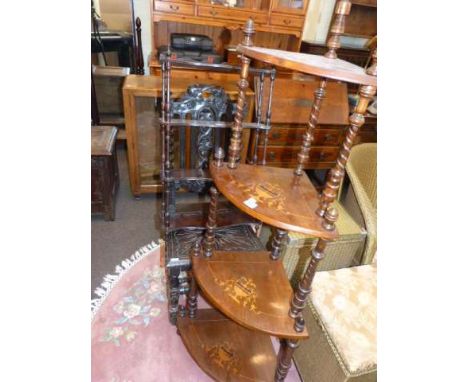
<point x="242" y="290"/>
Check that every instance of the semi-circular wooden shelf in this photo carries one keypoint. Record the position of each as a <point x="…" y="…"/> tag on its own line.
<point x="225" y="350"/>
<point x="311" y="64"/>
<point x="282" y="199"/>
<point x="249" y="288"/>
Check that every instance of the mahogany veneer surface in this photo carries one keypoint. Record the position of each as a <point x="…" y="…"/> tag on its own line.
<point x="282" y="199"/>
<point x="308" y="63"/>
<point x="225" y="350"/>
<point x="250" y="288"/>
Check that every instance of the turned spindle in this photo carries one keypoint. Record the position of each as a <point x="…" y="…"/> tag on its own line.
<point x="192" y="303"/>
<point x="235" y="145"/>
<point x="342" y="9"/>
<point x="209" y="238"/>
<point x="278" y="239"/>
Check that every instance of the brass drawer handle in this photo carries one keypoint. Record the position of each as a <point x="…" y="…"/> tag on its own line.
<point x="213" y="12"/>
<point x="287" y="21"/>
<point x="322" y="156"/>
<point x="271" y="155"/>
<point x="275" y="135"/>
<point x="174" y="7"/>
<point x="328" y="138"/>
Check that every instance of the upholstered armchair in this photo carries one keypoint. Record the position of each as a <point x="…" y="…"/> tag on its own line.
<point x="341" y="318"/>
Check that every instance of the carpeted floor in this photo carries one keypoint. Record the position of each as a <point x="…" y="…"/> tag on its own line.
<point x="134" y="226"/>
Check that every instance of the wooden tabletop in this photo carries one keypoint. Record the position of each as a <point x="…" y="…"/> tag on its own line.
<point x="274" y="196"/>
<point x="103" y="139"/>
<point x="311" y="64"/>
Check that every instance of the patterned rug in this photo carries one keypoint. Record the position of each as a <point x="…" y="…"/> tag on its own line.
<point x="131" y="337"/>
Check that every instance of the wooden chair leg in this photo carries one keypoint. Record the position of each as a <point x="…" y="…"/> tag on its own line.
<point x="209" y="238"/>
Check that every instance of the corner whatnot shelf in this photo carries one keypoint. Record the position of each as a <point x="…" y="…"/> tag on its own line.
<point x="251" y="288"/>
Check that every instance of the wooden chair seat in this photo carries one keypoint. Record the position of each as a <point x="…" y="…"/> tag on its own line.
<point x="278" y="197"/>
<point x="250" y="289"/>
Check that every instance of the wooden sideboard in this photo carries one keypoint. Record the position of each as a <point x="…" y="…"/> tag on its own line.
<point x="140" y="95"/>
<point x="279" y="23"/>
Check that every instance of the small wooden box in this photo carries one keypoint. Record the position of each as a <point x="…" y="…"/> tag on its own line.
<point x="104" y="171"/>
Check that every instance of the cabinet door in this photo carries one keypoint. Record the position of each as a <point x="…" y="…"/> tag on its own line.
<point x="290" y="6"/>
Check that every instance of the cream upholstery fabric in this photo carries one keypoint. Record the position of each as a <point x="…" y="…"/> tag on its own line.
<point x="345" y="303"/>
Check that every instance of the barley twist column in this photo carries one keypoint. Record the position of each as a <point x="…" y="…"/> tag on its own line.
<point x="300" y="297"/>
<point x="209" y="238"/>
<point x="235" y="145"/>
<point x="335" y="176"/>
<point x="308" y="138"/>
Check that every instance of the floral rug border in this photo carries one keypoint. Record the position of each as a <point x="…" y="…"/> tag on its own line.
<point x="110" y="280"/>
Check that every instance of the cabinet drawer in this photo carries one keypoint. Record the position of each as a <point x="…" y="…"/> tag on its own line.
<point x="231" y="14"/>
<point x="288" y="155"/>
<point x="286" y="21"/>
<point x="175" y="8"/>
<point x="292" y="136"/>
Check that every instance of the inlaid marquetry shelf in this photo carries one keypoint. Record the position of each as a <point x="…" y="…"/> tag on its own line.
<point x="311" y="64"/>
<point x="249" y="288"/>
<point x="225" y="350"/>
<point x="282" y="199"/>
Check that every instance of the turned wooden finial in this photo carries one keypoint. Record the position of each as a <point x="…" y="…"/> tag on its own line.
<point x="196" y="249"/>
<point x="219" y="157"/>
<point x="372" y="69"/>
<point x="342" y="9"/>
<point x="330" y="218"/>
<point x="139" y="62"/>
<point x="249" y="31"/>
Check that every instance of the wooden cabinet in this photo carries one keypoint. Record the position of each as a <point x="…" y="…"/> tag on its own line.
<point x="292" y="100"/>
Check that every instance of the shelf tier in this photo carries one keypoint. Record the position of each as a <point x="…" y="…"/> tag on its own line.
<point x="225" y="350"/>
<point x="195" y="215"/>
<point x="249" y="288"/>
<point x="311" y="64"/>
<point x="283" y="200"/>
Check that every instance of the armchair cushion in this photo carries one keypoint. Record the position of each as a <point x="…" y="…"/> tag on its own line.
<point x="344" y="302"/>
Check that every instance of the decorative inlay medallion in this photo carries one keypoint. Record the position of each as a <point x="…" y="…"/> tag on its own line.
<point x="243" y="291"/>
<point x="269" y="194"/>
<point x="224" y="356"/>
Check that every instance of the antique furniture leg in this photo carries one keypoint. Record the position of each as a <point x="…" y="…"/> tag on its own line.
<point x="209" y="238"/>
<point x="300" y="296"/>
<point x="280" y="235"/>
<point x="193" y="292"/>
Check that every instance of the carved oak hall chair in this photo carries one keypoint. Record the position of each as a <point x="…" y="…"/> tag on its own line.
<point x="249" y="291"/>
<point x="201" y="119"/>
